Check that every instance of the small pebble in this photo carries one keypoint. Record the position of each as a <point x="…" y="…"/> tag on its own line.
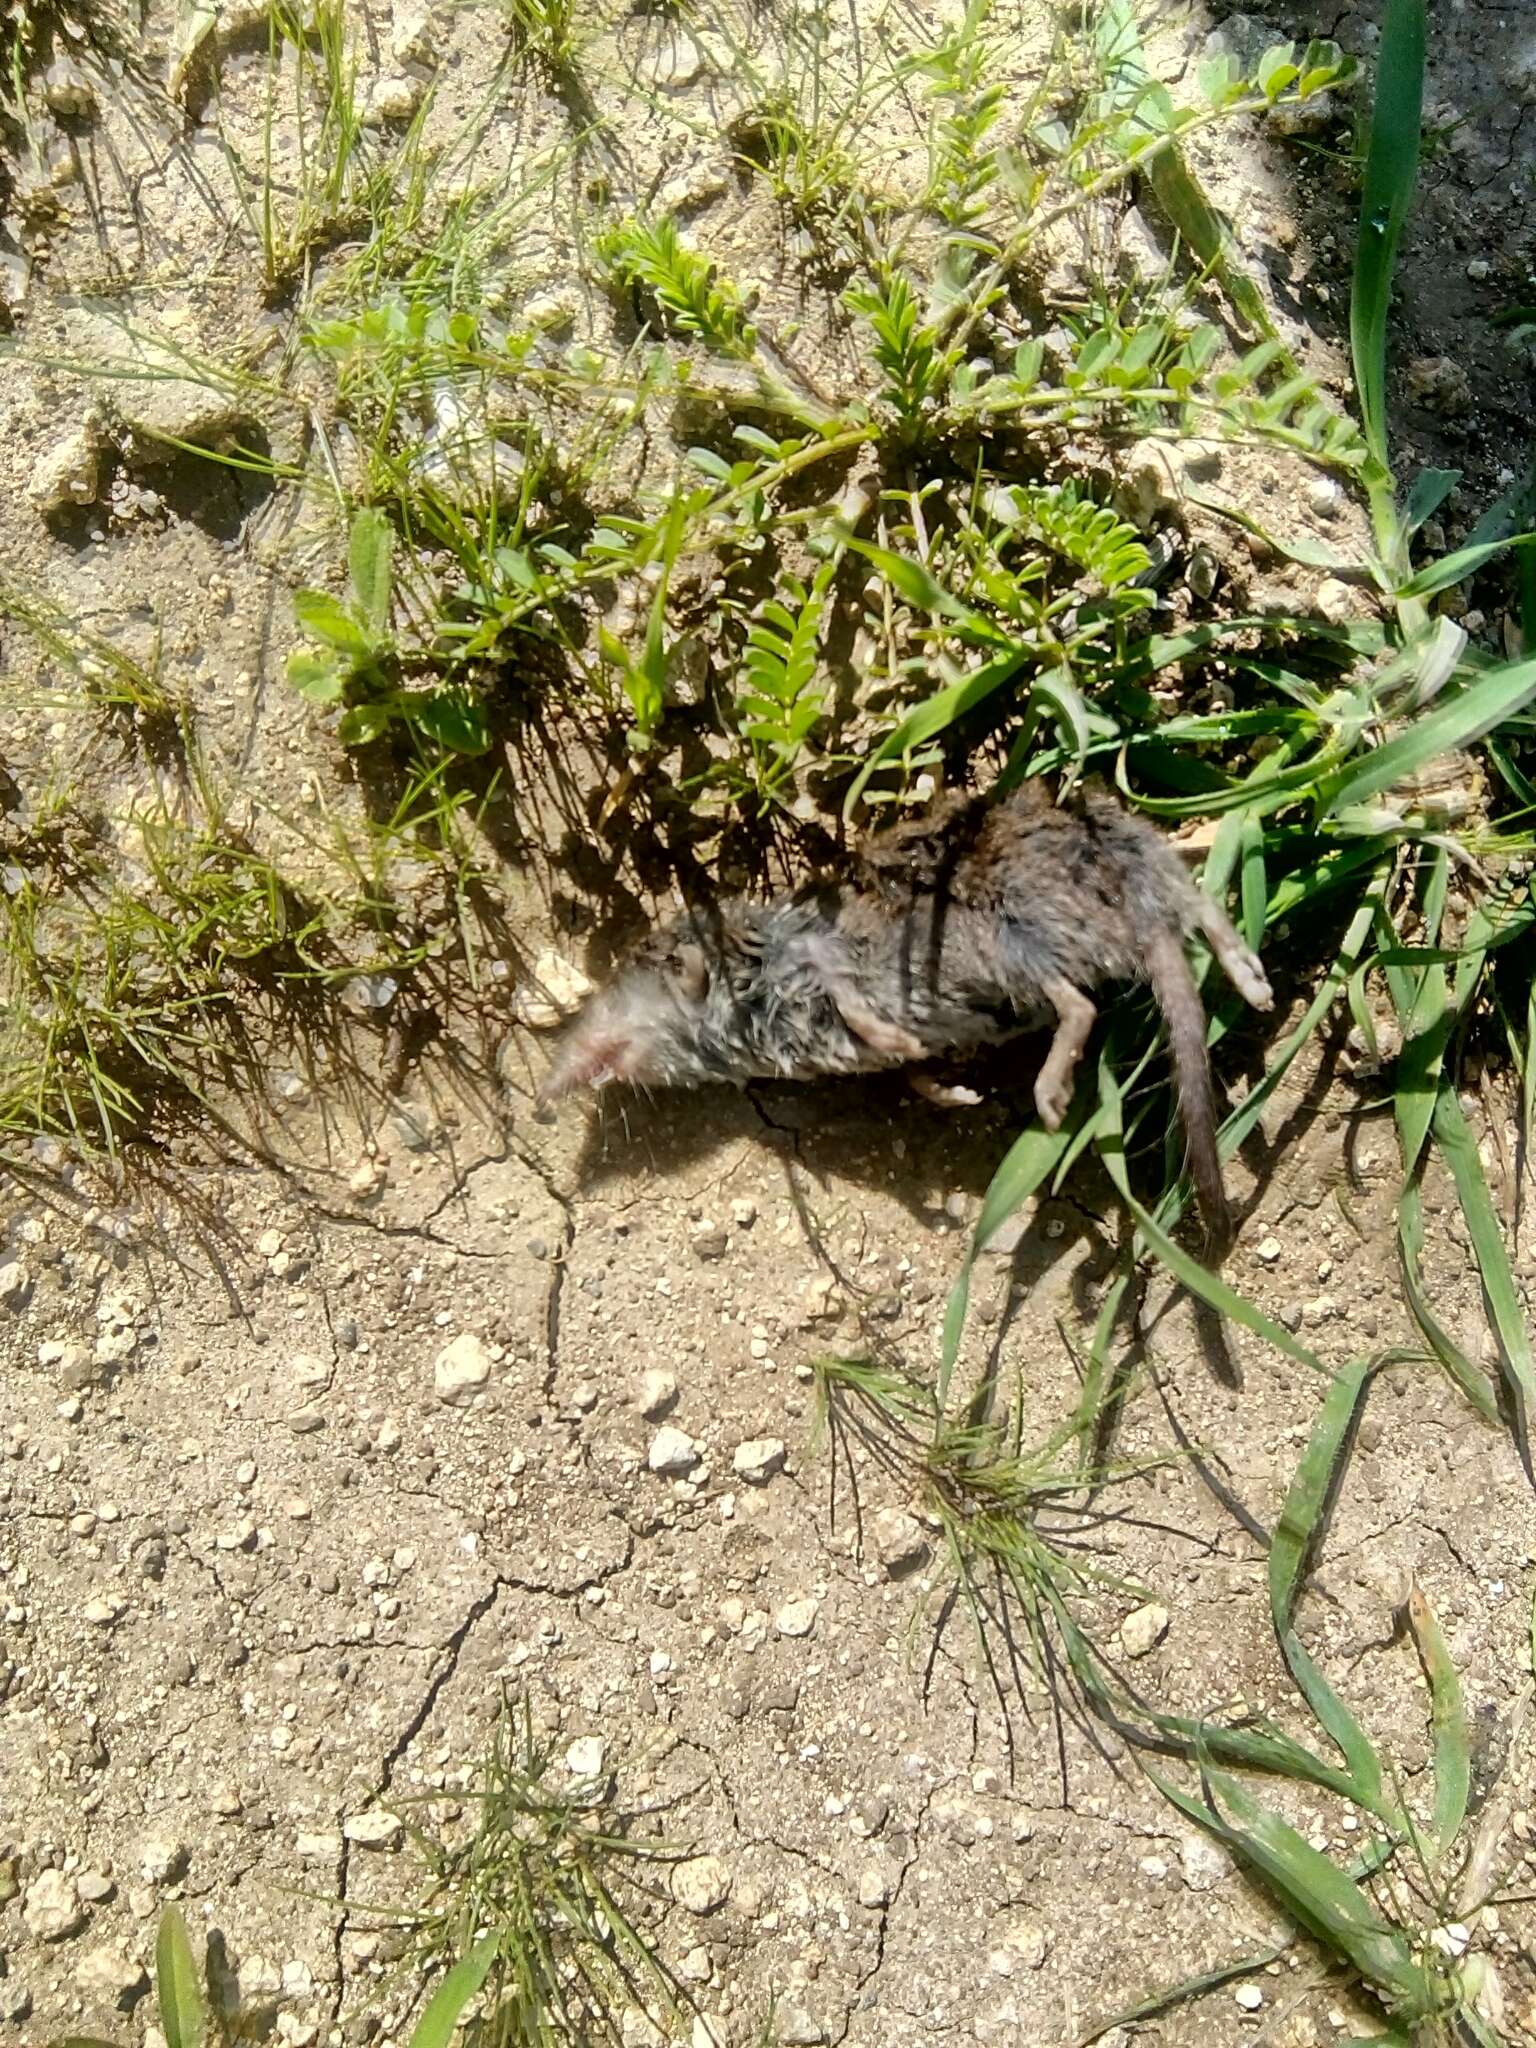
<point x="797" y="1617"/>
<point x="52" y="1908"/>
<point x="758" y="1459"/>
<point x="1141" y="1632"/>
<point x="392" y="99"/>
<point x="163" y="1860"/>
<point x="111" y="1975"/>
<point x="672" y="1452"/>
<point x="658" y="1391"/>
<point x="376" y="1829"/>
<point x="584" y="1758"/>
<point x="555" y="988"/>
<point x="462" y="1367"/>
<point x="701" y="1884"/>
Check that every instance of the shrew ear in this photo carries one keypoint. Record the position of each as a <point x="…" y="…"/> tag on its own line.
<point x="690" y="971"/>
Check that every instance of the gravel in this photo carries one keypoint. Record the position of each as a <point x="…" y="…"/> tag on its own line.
<point x="52" y="1908"/>
<point x="673" y="1452"/>
<point x="1141" y="1632"/>
<point x="758" y="1459"/>
<point x="462" y="1368"/>
<point x="702" y="1884"/>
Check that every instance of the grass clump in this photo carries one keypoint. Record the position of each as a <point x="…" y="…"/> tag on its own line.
<point x="536" y="1910"/>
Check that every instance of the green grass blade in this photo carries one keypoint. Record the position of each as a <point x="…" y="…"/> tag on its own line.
<point x="1455" y="721"/>
<point x="1430" y="489"/>
<point x="1160" y="2002"/>
<point x="1448" y="1723"/>
<point x="1315" y="1893"/>
<point x="1470" y="1382"/>
<point x="936" y="714"/>
<point x="1189" y="1272"/>
<point x="917" y="584"/>
<point x="182" y="2016"/>
<point x="1455" y="568"/>
<point x="371" y="544"/>
<point x="1204" y="231"/>
<point x="1262" y="1748"/>
<point x="1391" y="172"/>
<point x="1305" y="1510"/>
<point x="445" y="2009"/>
<point x="1458" y="1148"/>
<point x="1029" y="1162"/>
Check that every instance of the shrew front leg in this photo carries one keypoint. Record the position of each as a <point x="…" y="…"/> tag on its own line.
<point x="892" y="1041"/>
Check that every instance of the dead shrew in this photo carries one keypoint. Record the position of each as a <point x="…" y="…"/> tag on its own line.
<point x="982" y="921"/>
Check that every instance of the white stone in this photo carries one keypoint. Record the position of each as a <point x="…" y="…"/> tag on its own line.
<point x="375" y="1829"/>
<point x="1141" y="1632"/>
<point x="162" y="1860"/>
<point x="1202" y="1862"/>
<point x="15" y="1283"/>
<point x="52" y="1908"/>
<point x="795" y="2027"/>
<point x="1029" y="1942"/>
<point x="555" y="988"/>
<point x="392" y="99"/>
<point x="1248" y="1997"/>
<point x="111" y="1974"/>
<point x="462" y="1367"/>
<point x="69" y="473"/>
<point x="797" y="1617"/>
<point x="317" y="1848"/>
<point x="758" y="1459"/>
<point x="672" y="1451"/>
<point x="701" y="1884"/>
<point x="658" y="1390"/>
<point x="584" y="1758"/>
<point x="552" y="312"/>
<point x="416" y="39"/>
<point x="899" y="1541"/>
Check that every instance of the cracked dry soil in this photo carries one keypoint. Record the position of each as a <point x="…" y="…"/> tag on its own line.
<point x="300" y="1471"/>
<point x="269" y="1571"/>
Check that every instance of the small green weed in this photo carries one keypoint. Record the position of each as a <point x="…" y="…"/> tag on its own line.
<point x="190" y="2015"/>
<point x="359" y="664"/>
<point x="685" y="287"/>
<point x="534" y="1908"/>
<point x="546" y="29"/>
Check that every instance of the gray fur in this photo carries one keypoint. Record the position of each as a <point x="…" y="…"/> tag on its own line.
<point x="996" y="919"/>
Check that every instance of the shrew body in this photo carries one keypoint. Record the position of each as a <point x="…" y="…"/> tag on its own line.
<point x="987" y="919"/>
